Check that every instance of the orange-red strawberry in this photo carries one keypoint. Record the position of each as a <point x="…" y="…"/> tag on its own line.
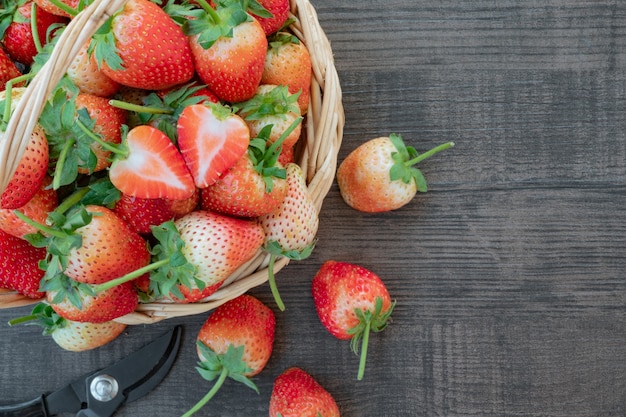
<point x="272" y="105"/>
<point x="228" y="47"/>
<point x="290" y="230"/>
<point x="72" y="335"/>
<point x="235" y="341"/>
<point x="82" y="304"/>
<point x="297" y="394"/>
<point x="380" y="176"/>
<point x="275" y="15"/>
<point x="143" y="213"/>
<point x="8" y="69"/>
<point x="18" y="37"/>
<point x="351" y="301"/>
<point x="37" y="209"/>
<point x="288" y="62"/>
<point x="150" y="166"/>
<point x="144" y="48"/>
<point x="19" y="265"/>
<point x="30" y="173"/>
<point x="88" y="76"/>
<point x="211" y="139"/>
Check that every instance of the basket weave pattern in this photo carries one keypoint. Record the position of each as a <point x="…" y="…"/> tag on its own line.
<point x="319" y="144"/>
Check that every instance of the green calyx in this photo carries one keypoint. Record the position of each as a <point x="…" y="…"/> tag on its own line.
<point x="280" y="38"/>
<point x="103" y="46"/>
<point x="276" y="102"/>
<point x="369" y="321"/>
<point x="216" y="366"/>
<point x="211" y="24"/>
<point x="406" y="157"/>
<point x="43" y="315"/>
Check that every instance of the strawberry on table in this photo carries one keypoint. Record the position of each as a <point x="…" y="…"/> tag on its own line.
<point x="290" y="230"/>
<point x="211" y="139"/>
<point x="288" y="62"/>
<point x="71" y="335"/>
<point x="351" y="301"/>
<point x="16" y="30"/>
<point x="235" y="341"/>
<point x="141" y="46"/>
<point x="148" y="165"/>
<point x="19" y="265"/>
<point x="297" y="394"/>
<point x="380" y="176"/>
<point x="228" y="46"/>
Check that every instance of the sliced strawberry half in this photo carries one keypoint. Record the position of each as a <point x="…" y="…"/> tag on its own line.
<point x="211" y="139"/>
<point x="151" y="167"/>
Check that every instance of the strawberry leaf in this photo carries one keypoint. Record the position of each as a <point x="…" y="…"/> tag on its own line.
<point x="276" y="102"/>
<point x="103" y="46"/>
<point x="215" y="23"/>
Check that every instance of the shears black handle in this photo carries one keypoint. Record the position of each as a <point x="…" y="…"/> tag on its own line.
<point x="32" y="408"/>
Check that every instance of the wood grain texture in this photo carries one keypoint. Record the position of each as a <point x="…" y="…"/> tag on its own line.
<point x="508" y="273"/>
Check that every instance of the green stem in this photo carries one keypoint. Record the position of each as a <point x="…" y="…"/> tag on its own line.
<point x="39" y="226"/>
<point x="130" y="276"/>
<point x="364" y="342"/>
<point x="71" y="200"/>
<point x="137" y="108"/>
<point x="58" y="169"/>
<point x="23" y="319"/>
<point x="272" y="281"/>
<point x="105" y="145"/>
<point x="67" y="9"/>
<point x="33" y="27"/>
<point x="210" y="11"/>
<point x="210" y="394"/>
<point x="286" y="133"/>
<point x="430" y="153"/>
<point x="9" y="94"/>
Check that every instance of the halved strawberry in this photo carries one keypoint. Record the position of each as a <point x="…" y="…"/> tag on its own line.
<point x="211" y="139"/>
<point x="151" y="166"/>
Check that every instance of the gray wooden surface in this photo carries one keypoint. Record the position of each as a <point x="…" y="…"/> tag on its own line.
<point x="508" y="273"/>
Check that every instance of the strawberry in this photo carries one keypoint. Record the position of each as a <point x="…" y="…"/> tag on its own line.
<point x="351" y="301"/>
<point x="272" y="105"/>
<point x="8" y="69"/>
<point x="229" y="48"/>
<point x="288" y="62"/>
<point x="27" y="179"/>
<point x="37" y="208"/>
<point x="141" y="46"/>
<point x="379" y="175"/>
<point x="271" y="14"/>
<point x="79" y="302"/>
<point x="88" y="77"/>
<point x="297" y="394"/>
<point x="256" y="185"/>
<point x="235" y="341"/>
<point x="143" y="213"/>
<point x="72" y="335"/>
<point x="19" y="265"/>
<point x="290" y="230"/>
<point x="195" y="254"/>
<point x="16" y="31"/>
<point x="148" y="165"/>
<point x="211" y="139"/>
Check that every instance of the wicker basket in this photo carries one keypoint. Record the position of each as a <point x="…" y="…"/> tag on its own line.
<point x="319" y="144"/>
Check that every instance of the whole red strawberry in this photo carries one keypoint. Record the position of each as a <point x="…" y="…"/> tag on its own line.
<point x="380" y="176"/>
<point x="8" y="69"/>
<point x="150" y="50"/>
<point x="351" y="301"/>
<point x="19" y="265"/>
<point x="228" y="47"/>
<point x="271" y="14"/>
<point x="18" y="37"/>
<point x="236" y="341"/>
<point x="297" y="394"/>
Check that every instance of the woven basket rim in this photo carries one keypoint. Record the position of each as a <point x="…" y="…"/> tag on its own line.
<point x="320" y="142"/>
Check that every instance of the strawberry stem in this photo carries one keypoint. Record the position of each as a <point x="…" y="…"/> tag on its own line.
<point x="364" y="343"/>
<point x="131" y="275"/>
<point x="9" y="95"/>
<point x="39" y="226"/>
<point x="58" y="169"/>
<point x="137" y="108"/>
<point x="23" y="319"/>
<point x="71" y="200"/>
<point x="207" y="8"/>
<point x="33" y="27"/>
<point x="272" y="282"/>
<point x="210" y="394"/>
<point x="430" y="153"/>
<point x="67" y="9"/>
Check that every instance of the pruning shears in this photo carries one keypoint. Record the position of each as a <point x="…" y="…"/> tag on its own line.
<point x="102" y="393"/>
